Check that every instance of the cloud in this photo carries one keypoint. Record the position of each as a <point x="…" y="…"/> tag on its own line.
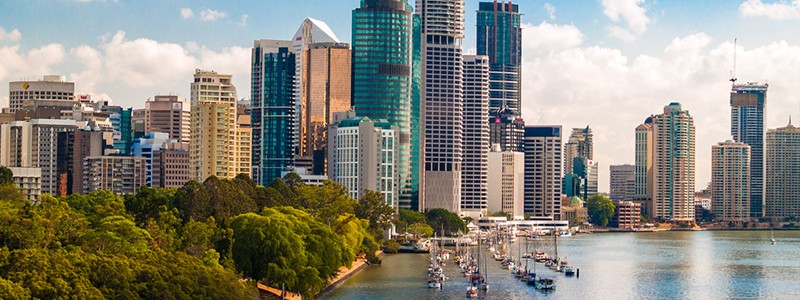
<point x="614" y="91"/>
<point x="20" y="65"/>
<point x="630" y="11"/>
<point x="551" y="11"/>
<point x="775" y="11"/>
<point x="243" y="20"/>
<point x="186" y="13"/>
<point x="212" y="15"/>
<point x="13" y="35"/>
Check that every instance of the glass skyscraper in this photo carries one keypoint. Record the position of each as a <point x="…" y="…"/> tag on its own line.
<point x="748" y="106"/>
<point x="273" y="112"/>
<point x="500" y="38"/>
<point x="382" y="79"/>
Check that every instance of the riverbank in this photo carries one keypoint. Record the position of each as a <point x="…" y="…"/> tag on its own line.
<point x="345" y="273"/>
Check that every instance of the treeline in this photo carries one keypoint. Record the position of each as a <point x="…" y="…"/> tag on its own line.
<point x="194" y="242"/>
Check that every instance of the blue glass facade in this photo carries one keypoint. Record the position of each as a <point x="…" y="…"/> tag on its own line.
<point x="500" y="37"/>
<point x="273" y="112"/>
<point x="748" y="105"/>
<point x="382" y="80"/>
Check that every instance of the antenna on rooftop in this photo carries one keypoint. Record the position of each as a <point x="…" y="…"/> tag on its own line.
<point x="733" y="72"/>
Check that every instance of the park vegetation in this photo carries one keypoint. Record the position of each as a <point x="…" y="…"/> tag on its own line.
<point x="195" y="242"/>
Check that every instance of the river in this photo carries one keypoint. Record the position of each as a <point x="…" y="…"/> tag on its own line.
<point x="657" y="265"/>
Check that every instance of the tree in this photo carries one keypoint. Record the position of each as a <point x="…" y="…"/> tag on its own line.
<point x="601" y="209"/>
<point x="501" y="214"/>
<point x="218" y="198"/>
<point x="6" y="176"/>
<point x="444" y="220"/>
<point x="373" y="207"/>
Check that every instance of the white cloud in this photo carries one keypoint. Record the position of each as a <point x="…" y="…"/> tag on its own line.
<point x="776" y="11"/>
<point x="187" y="13"/>
<point x="632" y="12"/>
<point x="243" y="20"/>
<point x="212" y="15"/>
<point x="551" y="11"/>
<point x="13" y="35"/>
<point x="20" y="65"/>
<point x="613" y="91"/>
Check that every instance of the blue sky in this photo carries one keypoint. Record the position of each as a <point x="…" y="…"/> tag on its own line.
<point x="604" y="63"/>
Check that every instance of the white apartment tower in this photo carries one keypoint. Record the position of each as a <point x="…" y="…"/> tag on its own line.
<point x="730" y="181"/>
<point x="782" y="164"/>
<point x="442" y="103"/>
<point x="673" y="164"/>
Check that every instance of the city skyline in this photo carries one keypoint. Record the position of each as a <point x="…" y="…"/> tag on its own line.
<point x="638" y="56"/>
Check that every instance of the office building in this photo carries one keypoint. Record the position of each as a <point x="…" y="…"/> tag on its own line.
<point x="384" y="44"/>
<point x="627" y="215"/>
<point x="171" y="166"/>
<point x="730" y="181"/>
<point x="138" y="124"/>
<point x="505" y="183"/>
<point x="34" y="143"/>
<point x="499" y="36"/>
<point x="580" y="144"/>
<point x="121" y="175"/>
<point x="782" y="163"/>
<point x="273" y="110"/>
<point x="121" y="121"/>
<point x="442" y="103"/>
<point x="748" y="116"/>
<point x="543" y="171"/>
<point x="476" y="136"/>
<point x="644" y="165"/>
<point x="362" y="155"/>
<point x="146" y="147"/>
<point x="673" y="164"/>
<point x="506" y="130"/>
<point x="29" y="181"/>
<point x="170" y="114"/>
<point x="72" y="148"/>
<point x="322" y="87"/>
<point x="212" y="145"/>
<point x="51" y="87"/>
<point x="622" y="183"/>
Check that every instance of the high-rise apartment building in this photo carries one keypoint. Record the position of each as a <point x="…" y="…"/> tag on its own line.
<point x="543" y="171"/>
<point x="730" y="181"/>
<point x="476" y="136"/>
<point x="384" y="44"/>
<point x="34" y="143"/>
<point x="579" y="167"/>
<point x="644" y="165"/>
<point x="622" y="183"/>
<point x="362" y="155"/>
<point x="442" y="103"/>
<point x="782" y="162"/>
<point x="29" y="181"/>
<point x="122" y="175"/>
<point x="73" y="147"/>
<point x="748" y="118"/>
<point x="170" y="114"/>
<point x="212" y="144"/>
<point x="500" y="38"/>
<point x="673" y="164"/>
<point x="273" y="110"/>
<point x="52" y="87"/>
<point x="506" y="181"/>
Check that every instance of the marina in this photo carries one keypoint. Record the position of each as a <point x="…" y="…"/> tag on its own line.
<point x="652" y="265"/>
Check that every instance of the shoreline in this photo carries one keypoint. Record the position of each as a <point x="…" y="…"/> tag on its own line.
<point x="345" y="273"/>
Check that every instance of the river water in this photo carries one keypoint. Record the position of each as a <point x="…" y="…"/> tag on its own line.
<point x="657" y="265"/>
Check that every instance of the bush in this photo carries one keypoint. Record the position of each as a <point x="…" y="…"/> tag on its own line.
<point x="391" y="246"/>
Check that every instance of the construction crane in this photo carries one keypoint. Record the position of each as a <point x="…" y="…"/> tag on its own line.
<point x="733" y="72"/>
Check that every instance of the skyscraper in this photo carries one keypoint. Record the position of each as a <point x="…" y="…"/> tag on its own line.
<point x="673" y="164"/>
<point x="382" y="66"/>
<point x="34" y="143"/>
<point x="212" y="148"/>
<point x="506" y="130"/>
<point x="273" y="112"/>
<point x="543" y="171"/>
<point x="500" y="38"/>
<point x="748" y="111"/>
<point x="170" y="114"/>
<point x="730" y="181"/>
<point x="782" y="162"/>
<point x="321" y="87"/>
<point x="622" y="183"/>
<point x="476" y="135"/>
<point x="578" y="161"/>
<point x="644" y="165"/>
<point x="442" y="101"/>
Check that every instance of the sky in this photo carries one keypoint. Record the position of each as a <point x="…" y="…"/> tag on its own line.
<point x="607" y="64"/>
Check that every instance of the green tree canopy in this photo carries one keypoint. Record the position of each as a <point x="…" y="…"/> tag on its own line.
<point x="373" y="207"/>
<point x="601" y="209"/>
<point x="6" y="176"/>
<point x="444" y="220"/>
